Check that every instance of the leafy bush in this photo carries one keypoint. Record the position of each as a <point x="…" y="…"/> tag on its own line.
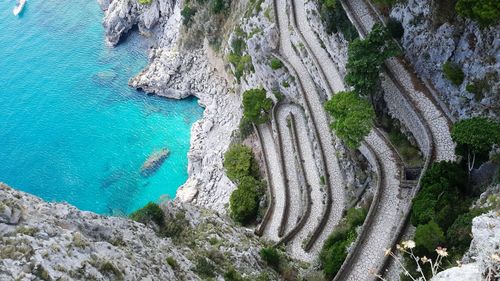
<point x="271" y="256"/>
<point x="244" y="201"/>
<point x="256" y="106"/>
<point x="474" y="138"/>
<point x="459" y="235"/>
<point x="276" y="63"/>
<point x="353" y="117"/>
<point x="219" y="6"/>
<point x="239" y="162"/>
<point x="145" y="2"/>
<point x="172" y="262"/>
<point x="453" y="73"/>
<point x="175" y="226"/>
<point x="335" y="19"/>
<point x="149" y="213"/>
<point x="232" y="275"/>
<point x="241" y="63"/>
<point x="441" y="196"/>
<point x="485" y="12"/>
<point x="205" y="268"/>
<point x="429" y="236"/>
<point x="187" y="14"/>
<point x="395" y="28"/>
<point x="334" y="250"/>
<point x="365" y="58"/>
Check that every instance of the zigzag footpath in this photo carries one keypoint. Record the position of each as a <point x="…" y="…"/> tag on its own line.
<point x="390" y="204"/>
<point x="314" y="108"/>
<point x="363" y="16"/>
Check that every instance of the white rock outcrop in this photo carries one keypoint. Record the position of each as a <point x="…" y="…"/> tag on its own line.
<point x="56" y="241"/>
<point x="483" y="257"/>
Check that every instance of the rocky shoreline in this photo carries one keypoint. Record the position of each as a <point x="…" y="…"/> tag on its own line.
<point x="177" y="74"/>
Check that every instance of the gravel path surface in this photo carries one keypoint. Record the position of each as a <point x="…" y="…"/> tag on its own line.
<point x="311" y="174"/>
<point x="435" y="118"/>
<point x="322" y="57"/>
<point x="319" y="118"/>
<point x="385" y="218"/>
<point x="276" y="176"/>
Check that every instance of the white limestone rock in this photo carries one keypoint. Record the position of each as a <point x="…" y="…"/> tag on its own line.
<point x="483" y="256"/>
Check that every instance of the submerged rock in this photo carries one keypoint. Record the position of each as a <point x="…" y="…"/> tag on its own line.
<point x="154" y="161"/>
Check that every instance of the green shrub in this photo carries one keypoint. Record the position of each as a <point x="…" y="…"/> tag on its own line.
<point x="205" y="268"/>
<point x="172" y="262"/>
<point x="244" y="201"/>
<point x="219" y="6"/>
<point x="145" y="2"/>
<point x="453" y="73"/>
<point x="429" y="236"/>
<point x="475" y="135"/>
<point x="365" y="59"/>
<point x="395" y="28"/>
<point x="459" y="235"/>
<point x="149" y="213"/>
<point x="442" y="195"/>
<point x="239" y="162"/>
<point x="175" y="226"/>
<point x="352" y="117"/>
<point x="276" y="63"/>
<point x="232" y="275"/>
<point x="334" y="250"/>
<point x="271" y="256"/>
<point x="485" y="12"/>
<point x="187" y="14"/>
<point x="109" y="267"/>
<point x="335" y="19"/>
<point x="256" y="106"/>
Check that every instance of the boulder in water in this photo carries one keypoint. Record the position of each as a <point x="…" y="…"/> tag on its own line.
<point x="154" y="161"/>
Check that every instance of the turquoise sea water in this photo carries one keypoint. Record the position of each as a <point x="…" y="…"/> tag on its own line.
<point x="70" y="127"/>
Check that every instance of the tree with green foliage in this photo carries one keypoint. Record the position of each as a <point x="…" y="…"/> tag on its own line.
<point x="454" y="73"/>
<point x="256" y="106"/>
<point x="365" y="59"/>
<point x="335" y="19"/>
<point x="149" y="213"/>
<point x="271" y="256"/>
<point x="441" y="197"/>
<point x="485" y="12"/>
<point x="429" y="236"/>
<point x="239" y="162"/>
<point x="334" y="250"/>
<point x="475" y="137"/>
<point x="352" y="117"/>
<point x="244" y="201"/>
<point x="459" y="235"/>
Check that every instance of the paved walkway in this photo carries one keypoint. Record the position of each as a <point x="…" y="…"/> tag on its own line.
<point x="365" y="18"/>
<point x="319" y="118"/>
<point x="276" y="177"/>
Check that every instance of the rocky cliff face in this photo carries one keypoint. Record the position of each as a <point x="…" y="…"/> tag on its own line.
<point x="176" y="73"/>
<point x="483" y="258"/>
<point x="54" y="241"/>
<point x="474" y="49"/>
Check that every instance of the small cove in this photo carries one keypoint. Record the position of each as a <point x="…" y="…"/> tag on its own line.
<point x="70" y="127"/>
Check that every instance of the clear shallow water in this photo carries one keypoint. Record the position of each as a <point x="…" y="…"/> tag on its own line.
<point x="70" y="127"/>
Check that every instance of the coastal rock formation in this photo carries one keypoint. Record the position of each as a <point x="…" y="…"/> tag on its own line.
<point x="56" y="241"/>
<point x="483" y="257"/>
<point x="177" y="74"/>
<point x="154" y="161"/>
